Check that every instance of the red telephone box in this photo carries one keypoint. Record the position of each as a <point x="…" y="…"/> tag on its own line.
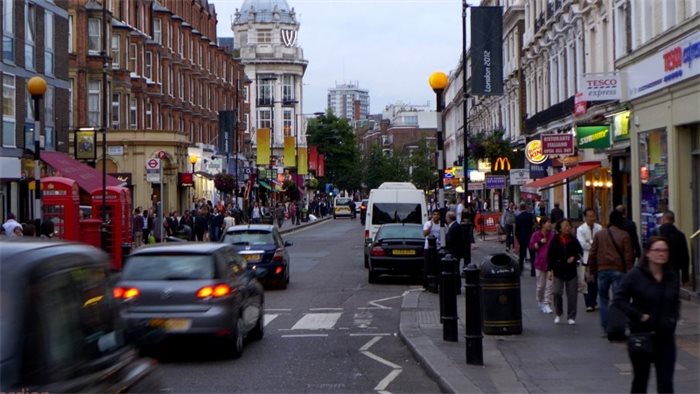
<point x="116" y="232"/>
<point x="60" y="201"/>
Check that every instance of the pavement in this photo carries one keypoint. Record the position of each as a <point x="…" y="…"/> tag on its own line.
<point x="546" y="357"/>
<point x="287" y="226"/>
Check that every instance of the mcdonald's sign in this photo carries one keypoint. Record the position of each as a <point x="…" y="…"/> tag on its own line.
<point x="501" y="166"/>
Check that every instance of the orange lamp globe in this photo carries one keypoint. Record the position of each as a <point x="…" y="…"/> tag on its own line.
<point x="438" y="81"/>
<point x="36" y="86"/>
<point x="193" y="160"/>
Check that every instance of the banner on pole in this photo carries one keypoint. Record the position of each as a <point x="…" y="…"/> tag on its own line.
<point x="313" y="159"/>
<point x="289" y="148"/>
<point x="303" y="165"/>
<point x="487" y="51"/>
<point x="263" y="144"/>
<point x="321" y="165"/>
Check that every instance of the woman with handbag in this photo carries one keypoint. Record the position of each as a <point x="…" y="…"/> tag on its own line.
<point x="650" y="298"/>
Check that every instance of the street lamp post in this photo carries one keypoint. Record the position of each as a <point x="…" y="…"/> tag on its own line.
<point x="465" y="133"/>
<point x="37" y="87"/>
<point x="193" y="161"/>
<point x="438" y="82"/>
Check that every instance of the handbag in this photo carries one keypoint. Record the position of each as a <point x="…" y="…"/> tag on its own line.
<point x="617" y="324"/>
<point x="640" y="343"/>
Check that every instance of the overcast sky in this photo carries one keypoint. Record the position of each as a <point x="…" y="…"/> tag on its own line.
<point x="389" y="46"/>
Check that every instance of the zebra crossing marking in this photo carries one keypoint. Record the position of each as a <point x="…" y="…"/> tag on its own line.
<point x="317" y="321"/>
<point x="269" y="317"/>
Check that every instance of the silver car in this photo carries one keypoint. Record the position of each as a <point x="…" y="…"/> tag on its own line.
<point x="189" y="289"/>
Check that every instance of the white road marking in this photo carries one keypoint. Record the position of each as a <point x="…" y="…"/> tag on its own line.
<point x="325" y="309"/>
<point x="381" y="360"/>
<point x="381" y="387"/>
<point x="367" y="334"/>
<point x="304" y="335"/>
<point x="376" y="303"/>
<point x="369" y="344"/>
<point x="269" y="317"/>
<point x="317" y="321"/>
<point x="277" y="310"/>
<point x="396" y="369"/>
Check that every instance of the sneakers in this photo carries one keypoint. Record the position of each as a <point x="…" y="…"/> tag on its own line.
<point x="547" y="309"/>
<point x="571" y="322"/>
<point x="541" y="306"/>
<point x="590" y="309"/>
<point x="557" y="320"/>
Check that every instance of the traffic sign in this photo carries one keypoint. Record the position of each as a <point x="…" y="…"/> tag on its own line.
<point x="153" y="164"/>
<point x="162" y="154"/>
<point x="153" y="177"/>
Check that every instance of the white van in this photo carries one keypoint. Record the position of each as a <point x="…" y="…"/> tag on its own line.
<point x="393" y="202"/>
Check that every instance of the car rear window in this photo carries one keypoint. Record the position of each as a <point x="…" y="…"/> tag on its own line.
<point x="169" y="267"/>
<point x="249" y="237"/>
<point x="396" y="213"/>
<point x="342" y="201"/>
<point x="400" y="232"/>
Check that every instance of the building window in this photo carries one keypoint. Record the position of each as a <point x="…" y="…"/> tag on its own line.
<point x="264" y="119"/>
<point x="70" y="103"/>
<point x="264" y="36"/>
<point x="49" y="105"/>
<point x="148" y="67"/>
<point x="133" y="58"/>
<point x="246" y="94"/>
<point x="48" y="42"/>
<point x="94" y="36"/>
<point x="171" y="81"/>
<point x="181" y="86"/>
<point x="8" y="32"/>
<point x="288" y="88"/>
<point x="9" y="100"/>
<point x="132" y="112"/>
<point x="288" y="122"/>
<point x="149" y="116"/>
<point x="29" y="35"/>
<point x="116" y="52"/>
<point x="94" y="103"/>
<point x="157" y="33"/>
<point x="115" y="111"/>
<point x="246" y="122"/>
<point x="181" y="43"/>
<point x="265" y="92"/>
<point x="170" y="36"/>
<point x="653" y="160"/>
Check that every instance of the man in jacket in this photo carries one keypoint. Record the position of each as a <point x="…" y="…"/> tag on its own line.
<point x="610" y="256"/>
<point x="454" y="239"/>
<point x="523" y="232"/>
<point x="585" y="234"/>
<point x="631" y="228"/>
<point x="556" y="214"/>
<point x="679" y="257"/>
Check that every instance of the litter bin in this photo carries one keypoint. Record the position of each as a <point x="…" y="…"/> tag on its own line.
<point x="304" y="215"/>
<point x="500" y="296"/>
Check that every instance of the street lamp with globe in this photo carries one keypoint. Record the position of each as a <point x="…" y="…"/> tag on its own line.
<point x="438" y="82"/>
<point x="36" y="86"/>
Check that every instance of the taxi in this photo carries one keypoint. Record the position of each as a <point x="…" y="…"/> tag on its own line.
<point x="342" y="208"/>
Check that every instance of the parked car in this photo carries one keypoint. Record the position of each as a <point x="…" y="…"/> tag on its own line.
<point x="363" y="211"/>
<point x="59" y="329"/>
<point x="263" y="248"/>
<point x="397" y="249"/>
<point x="189" y="289"/>
<point x="342" y="207"/>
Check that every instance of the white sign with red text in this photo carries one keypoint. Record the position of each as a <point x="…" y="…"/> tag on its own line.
<point x="599" y="87"/>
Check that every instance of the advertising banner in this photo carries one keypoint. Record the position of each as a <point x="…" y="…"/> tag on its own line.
<point x="495" y="181"/>
<point x="321" y="165"/>
<point x="487" y="51"/>
<point x="303" y="164"/>
<point x="621" y="126"/>
<point x="289" y="148"/>
<point x="597" y="86"/>
<point x="557" y="144"/>
<point x="263" y="145"/>
<point x="313" y="159"/>
<point x="593" y="137"/>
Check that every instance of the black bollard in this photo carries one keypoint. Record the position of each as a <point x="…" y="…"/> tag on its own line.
<point x="467" y="231"/>
<point x="472" y="307"/>
<point x="448" y="298"/>
<point x="430" y="266"/>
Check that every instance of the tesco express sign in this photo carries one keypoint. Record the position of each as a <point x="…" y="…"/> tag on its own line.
<point x="601" y="87"/>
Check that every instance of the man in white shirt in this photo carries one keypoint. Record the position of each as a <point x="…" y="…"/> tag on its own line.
<point x="431" y="227"/>
<point x="459" y="210"/>
<point x="585" y="233"/>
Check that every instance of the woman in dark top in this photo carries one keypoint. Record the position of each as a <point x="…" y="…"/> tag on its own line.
<point x="649" y="296"/>
<point x="563" y="256"/>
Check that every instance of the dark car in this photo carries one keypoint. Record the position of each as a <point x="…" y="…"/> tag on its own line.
<point x="263" y="247"/>
<point x="363" y="211"/>
<point x="189" y="289"/>
<point x="59" y="328"/>
<point x="397" y="249"/>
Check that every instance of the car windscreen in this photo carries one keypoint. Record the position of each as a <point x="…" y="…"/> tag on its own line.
<point x="342" y="201"/>
<point x="408" y="231"/>
<point x="396" y="213"/>
<point x="169" y="267"/>
<point x="249" y="237"/>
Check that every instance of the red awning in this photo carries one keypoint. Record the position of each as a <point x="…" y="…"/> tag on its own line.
<point x="88" y="178"/>
<point x="560" y="177"/>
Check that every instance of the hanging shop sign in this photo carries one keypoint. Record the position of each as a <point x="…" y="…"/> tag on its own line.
<point x="580" y="105"/>
<point x="501" y="166"/>
<point x="519" y="176"/>
<point x="533" y="152"/>
<point x="484" y="165"/>
<point x="496" y="181"/>
<point x="621" y="126"/>
<point x="593" y="137"/>
<point x="600" y="86"/>
<point x="557" y="144"/>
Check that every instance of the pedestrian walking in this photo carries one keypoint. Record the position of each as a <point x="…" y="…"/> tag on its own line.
<point x="649" y="295"/>
<point x="678" y="245"/>
<point x="293" y="212"/>
<point x="200" y="225"/>
<point x="563" y="258"/>
<point x="279" y="215"/>
<point x="556" y="214"/>
<point x="539" y="243"/>
<point x="216" y="223"/>
<point x="137" y="228"/>
<point x="611" y="255"/>
<point x="454" y="238"/>
<point x="585" y="234"/>
<point x="524" y="223"/>
<point x="256" y="213"/>
<point x="229" y="221"/>
<point x="631" y="228"/>
<point x="431" y="227"/>
<point x="508" y="223"/>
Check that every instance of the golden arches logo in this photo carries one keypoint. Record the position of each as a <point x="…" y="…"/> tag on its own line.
<point x="501" y="164"/>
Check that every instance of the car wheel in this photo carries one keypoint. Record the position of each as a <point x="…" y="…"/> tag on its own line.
<point x="259" y="330"/>
<point x="372" y="277"/>
<point x="236" y="339"/>
<point x="366" y="262"/>
<point x="334" y="217"/>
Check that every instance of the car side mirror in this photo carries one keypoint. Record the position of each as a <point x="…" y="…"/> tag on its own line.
<point x="288" y="243"/>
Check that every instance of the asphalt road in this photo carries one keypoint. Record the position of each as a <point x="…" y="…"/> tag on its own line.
<point x="329" y="332"/>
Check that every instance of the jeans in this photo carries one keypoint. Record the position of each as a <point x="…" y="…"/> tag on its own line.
<point x="571" y="288"/>
<point x="606" y="280"/>
<point x="664" y="359"/>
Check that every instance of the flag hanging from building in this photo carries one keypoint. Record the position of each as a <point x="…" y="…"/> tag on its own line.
<point x="303" y="164"/>
<point x="263" y="143"/>
<point x="313" y="159"/>
<point x="487" y="51"/>
<point x="289" y="154"/>
<point x="321" y="171"/>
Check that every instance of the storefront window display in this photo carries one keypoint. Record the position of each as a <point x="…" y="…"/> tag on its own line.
<point x="653" y="174"/>
<point x="576" y="203"/>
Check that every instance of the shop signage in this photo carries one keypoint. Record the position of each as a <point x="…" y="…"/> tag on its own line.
<point x="600" y="86"/>
<point x="533" y="152"/>
<point x="289" y="37"/>
<point x="593" y="137"/>
<point x="484" y="165"/>
<point x="557" y="144"/>
<point x="487" y="51"/>
<point x="519" y="176"/>
<point x="665" y="67"/>
<point x="476" y="186"/>
<point x="621" y="126"/>
<point x="539" y="170"/>
<point x="477" y="176"/>
<point x="186" y="179"/>
<point x="496" y="181"/>
<point x="501" y="166"/>
<point x="153" y="164"/>
<point x="85" y="147"/>
<point x="580" y="105"/>
<point x="115" y="150"/>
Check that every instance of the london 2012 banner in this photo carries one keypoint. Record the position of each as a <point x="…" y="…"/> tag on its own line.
<point x="263" y="145"/>
<point x="487" y="51"/>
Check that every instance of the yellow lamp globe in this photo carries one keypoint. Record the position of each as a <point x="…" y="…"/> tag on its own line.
<point x="36" y="86"/>
<point x="438" y="80"/>
<point x="193" y="159"/>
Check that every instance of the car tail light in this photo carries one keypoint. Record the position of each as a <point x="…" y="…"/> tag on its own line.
<point x="215" y="291"/>
<point x="126" y="293"/>
<point x="279" y="256"/>
<point x="366" y="234"/>
<point x="377" y="251"/>
<point x="278" y="270"/>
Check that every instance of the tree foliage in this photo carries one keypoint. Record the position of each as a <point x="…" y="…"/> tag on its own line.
<point x="417" y="167"/>
<point x="489" y="145"/>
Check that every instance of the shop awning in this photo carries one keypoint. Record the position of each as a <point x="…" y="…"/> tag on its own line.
<point x="88" y="178"/>
<point x="265" y="185"/>
<point x="560" y="177"/>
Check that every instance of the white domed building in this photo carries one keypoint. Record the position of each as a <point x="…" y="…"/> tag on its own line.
<point x="266" y="37"/>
